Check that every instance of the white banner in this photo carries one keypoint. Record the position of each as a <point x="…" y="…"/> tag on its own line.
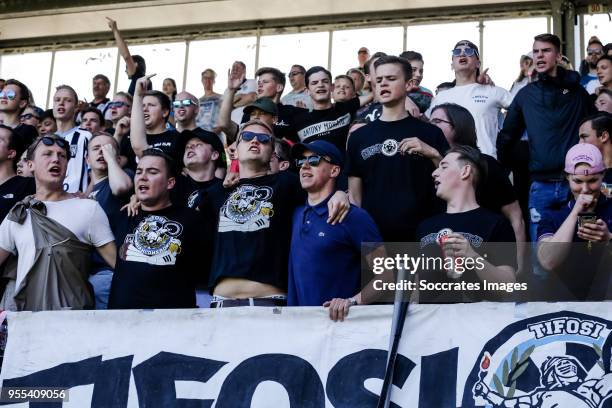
<point x="487" y="354"/>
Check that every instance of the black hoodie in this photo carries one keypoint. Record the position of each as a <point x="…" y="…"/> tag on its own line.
<point x="550" y="109"/>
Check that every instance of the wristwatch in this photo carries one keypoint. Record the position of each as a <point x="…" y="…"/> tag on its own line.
<point x="352" y="301"/>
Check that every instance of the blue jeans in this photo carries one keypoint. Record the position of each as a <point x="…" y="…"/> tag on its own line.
<point x="543" y="195"/>
<point x="101" y="283"/>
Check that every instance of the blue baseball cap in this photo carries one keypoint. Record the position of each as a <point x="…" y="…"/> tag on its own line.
<point x="320" y="147"/>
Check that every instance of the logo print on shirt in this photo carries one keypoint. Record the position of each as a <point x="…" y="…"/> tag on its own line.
<point x="9" y="195"/>
<point x="389" y="147"/>
<point x="192" y="198"/>
<point x="154" y="242"/>
<point x="324" y="127"/>
<point x="247" y="209"/>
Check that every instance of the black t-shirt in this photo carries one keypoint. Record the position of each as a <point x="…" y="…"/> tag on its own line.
<point x="111" y="204"/>
<point x="14" y="190"/>
<point x="137" y="75"/>
<point x="254" y="228"/>
<point x="496" y="191"/>
<point x="283" y="128"/>
<point x="608" y="176"/>
<point x="479" y="226"/>
<point x="159" y="260"/>
<point x="167" y="142"/>
<point x="370" y="112"/>
<point x="186" y="190"/>
<point x="397" y="190"/>
<point x="125" y="149"/>
<point x="330" y="124"/>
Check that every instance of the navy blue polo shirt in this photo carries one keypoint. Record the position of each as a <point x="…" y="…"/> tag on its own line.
<point x="325" y="259"/>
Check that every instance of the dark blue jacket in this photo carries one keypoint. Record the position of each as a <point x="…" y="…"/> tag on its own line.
<point x="550" y="109"/>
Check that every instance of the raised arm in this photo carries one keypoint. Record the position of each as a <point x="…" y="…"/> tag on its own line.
<point x="119" y="181"/>
<point x="138" y="134"/>
<point x="224" y="122"/>
<point x="130" y="64"/>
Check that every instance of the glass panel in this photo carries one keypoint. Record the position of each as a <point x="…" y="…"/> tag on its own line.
<point x="282" y="51"/>
<point x="78" y="67"/>
<point x="502" y="57"/>
<point x="346" y="43"/>
<point x="219" y="55"/>
<point x="598" y="25"/>
<point x="435" y="42"/>
<point x="31" y="69"/>
<point x="166" y="60"/>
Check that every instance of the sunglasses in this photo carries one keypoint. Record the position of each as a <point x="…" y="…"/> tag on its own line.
<point x="8" y="94"/>
<point x="50" y="141"/>
<point x="261" y="137"/>
<point x="468" y="52"/>
<point x="184" y="102"/>
<point x="591" y="51"/>
<point x="313" y="161"/>
<point x="28" y="116"/>
<point x="117" y="104"/>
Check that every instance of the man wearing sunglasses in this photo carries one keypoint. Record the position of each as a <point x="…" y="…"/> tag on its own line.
<point x="325" y="260"/>
<point x="120" y="110"/>
<point x="65" y="230"/>
<point x="14" y="99"/>
<point x="594" y="51"/>
<point x="254" y="225"/>
<point x="483" y="101"/>
<point x="298" y="96"/>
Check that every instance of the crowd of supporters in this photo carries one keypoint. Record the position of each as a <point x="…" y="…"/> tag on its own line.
<point x="161" y="199"/>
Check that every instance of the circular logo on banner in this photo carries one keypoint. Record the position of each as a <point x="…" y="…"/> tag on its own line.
<point x="389" y="147"/>
<point x="555" y="360"/>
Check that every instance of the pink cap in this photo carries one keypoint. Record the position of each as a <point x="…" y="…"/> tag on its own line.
<point x="584" y="153"/>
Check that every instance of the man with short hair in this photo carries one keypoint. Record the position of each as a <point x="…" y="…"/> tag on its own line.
<point x="298" y="96"/>
<point x="13" y="188"/>
<point x="209" y="103"/>
<point x="574" y="241"/>
<point x="550" y="110"/>
<point x="483" y="101"/>
<point x="254" y="225"/>
<point x="53" y="233"/>
<point x="328" y="121"/>
<point x="64" y="110"/>
<point x="376" y="169"/>
<point x="597" y="130"/>
<point x="120" y="109"/>
<point x="150" y="112"/>
<point x="466" y="228"/>
<point x="111" y="188"/>
<point x="92" y="120"/>
<point x="363" y="55"/>
<point x="419" y="94"/>
<point x="158" y="262"/>
<point x="246" y="93"/>
<point x="14" y="98"/>
<point x="203" y="154"/>
<point x="325" y="260"/>
<point x="281" y="157"/>
<point x="100" y="88"/>
<point x="594" y="52"/>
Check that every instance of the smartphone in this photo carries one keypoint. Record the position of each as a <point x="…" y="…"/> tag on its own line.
<point x="586" y="218"/>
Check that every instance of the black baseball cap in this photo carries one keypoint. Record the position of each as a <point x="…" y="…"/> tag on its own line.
<point x="265" y="104"/>
<point x="207" y="137"/>
<point x="320" y="147"/>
